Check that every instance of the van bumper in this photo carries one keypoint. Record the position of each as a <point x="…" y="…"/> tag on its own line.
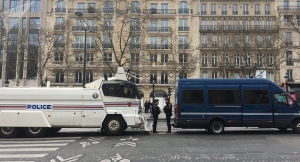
<point x="177" y="123"/>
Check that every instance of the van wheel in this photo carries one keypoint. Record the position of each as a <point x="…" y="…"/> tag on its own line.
<point x="54" y="130"/>
<point x="9" y="132"/>
<point x="35" y="132"/>
<point x="283" y="129"/>
<point x="114" y="126"/>
<point x="216" y="127"/>
<point x="296" y="126"/>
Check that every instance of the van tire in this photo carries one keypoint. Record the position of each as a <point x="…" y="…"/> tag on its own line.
<point x="36" y="132"/>
<point x="216" y="127"/>
<point x="114" y="126"/>
<point x="296" y="126"/>
<point x="9" y="132"/>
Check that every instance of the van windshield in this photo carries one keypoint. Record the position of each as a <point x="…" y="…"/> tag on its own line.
<point x="283" y="99"/>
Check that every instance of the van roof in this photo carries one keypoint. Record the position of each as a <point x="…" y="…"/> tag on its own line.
<point x="227" y="80"/>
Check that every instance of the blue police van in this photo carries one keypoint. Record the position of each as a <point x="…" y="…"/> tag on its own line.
<point x="213" y="104"/>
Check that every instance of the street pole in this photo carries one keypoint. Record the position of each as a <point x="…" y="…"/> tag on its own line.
<point x="287" y="87"/>
<point x="84" y="60"/>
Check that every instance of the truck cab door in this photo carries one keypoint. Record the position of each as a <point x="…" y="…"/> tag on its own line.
<point x="257" y="106"/>
<point x="285" y="110"/>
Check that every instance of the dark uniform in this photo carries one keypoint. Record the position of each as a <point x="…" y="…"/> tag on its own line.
<point x="168" y="111"/>
<point x="155" y="112"/>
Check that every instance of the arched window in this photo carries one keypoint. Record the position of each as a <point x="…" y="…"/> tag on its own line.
<point x="108" y="7"/>
<point x="183" y="8"/>
<point x="135" y="7"/>
<point x="61" y="6"/>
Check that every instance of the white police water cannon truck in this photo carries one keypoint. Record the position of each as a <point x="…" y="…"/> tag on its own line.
<point x="111" y="104"/>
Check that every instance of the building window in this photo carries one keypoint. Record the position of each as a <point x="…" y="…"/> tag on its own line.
<point x="204" y="60"/>
<point x="135" y="57"/>
<point x="164" y="78"/>
<point x="183" y="57"/>
<point x="183" y="25"/>
<point x="257" y="9"/>
<point x="214" y="40"/>
<point x="60" y="6"/>
<point x="246" y="24"/>
<point x="213" y="25"/>
<point x="236" y="75"/>
<point x="135" y="42"/>
<point x="269" y="41"/>
<point x="248" y="60"/>
<point x="59" y="56"/>
<point x="288" y="40"/>
<point x="270" y="60"/>
<point x="203" y="9"/>
<point x="237" y="60"/>
<point x="257" y="24"/>
<point x="4" y="8"/>
<point x="204" y="75"/>
<point x="90" y="57"/>
<point x="224" y="9"/>
<point x="289" y="58"/>
<point x="286" y="5"/>
<point x="204" y="40"/>
<point x="78" y="77"/>
<point x="135" y="7"/>
<point x="226" y="59"/>
<point x="59" y="77"/>
<point x="14" y="6"/>
<point x="164" y="57"/>
<point x="258" y="41"/>
<point x="259" y="60"/>
<point x="214" y="75"/>
<point x="267" y="9"/>
<point x="225" y="41"/>
<point x="290" y="75"/>
<point x="183" y="42"/>
<point x="224" y="24"/>
<point x="153" y="78"/>
<point x="183" y="8"/>
<point x="153" y="57"/>
<point x="81" y="7"/>
<point x="213" y="9"/>
<point x="34" y="23"/>
<point x="270" y="76"/>
<point x="235" y="9"/>
<point x="246" y="9"/>
<point x="214" y="60"/>
<point x="135" y="78"/>
<point x="164" y="8"/>
<point x="247" y="41"/>
<point x="79" y="57"/>
<point x="107" y="57"/>
<point x="35" y="6"/>
<point x="89" y="77"/>
<point x="108" y="7"/>
<point x="108" y="74"/>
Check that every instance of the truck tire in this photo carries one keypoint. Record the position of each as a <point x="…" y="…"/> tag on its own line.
<point x="36" y="132"/>
<point x="296" y="126"/>
<point x="54" y="130"/>
<point x="216" y="127"/>
<point x="9" y="132"/>
<point x="114" y="126"/>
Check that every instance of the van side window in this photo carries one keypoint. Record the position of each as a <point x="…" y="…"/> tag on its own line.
<point x="192" y="96"/>
<point x="224" y="97"/>
<point x="256" y="97"/>
<point x="281" y="99"/>
<point x="108" y="89"/>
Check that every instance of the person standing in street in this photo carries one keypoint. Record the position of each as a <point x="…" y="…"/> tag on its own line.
<point x="156" y="112"/>
<point x="147" y="106"/>
<point x="168" y="111"/>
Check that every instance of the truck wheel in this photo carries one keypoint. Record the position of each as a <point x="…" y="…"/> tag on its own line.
<point x="35" y="132"/>
<point x="216" y="127"/>
<point x="54" y="130"/>
<point x="9" y="132"/>
<point x="114" y="126"/>
<point x="296" y="126"/>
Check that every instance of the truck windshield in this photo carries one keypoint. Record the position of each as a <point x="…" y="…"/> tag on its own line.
<point x="126" y="90"/>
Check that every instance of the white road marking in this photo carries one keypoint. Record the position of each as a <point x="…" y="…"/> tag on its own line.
<point x="34" y="145"/>
<point x="55" y="141"/>
<point x="22" y="156"/>
<point x="28" y="149"/>
<point x="31" y="139"/>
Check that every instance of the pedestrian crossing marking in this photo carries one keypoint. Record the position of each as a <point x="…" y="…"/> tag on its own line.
<point x="22" y="155"/>
<point x="55" y="141"/>
<point x="29" y="149"/>
<point x="34" y="145"/>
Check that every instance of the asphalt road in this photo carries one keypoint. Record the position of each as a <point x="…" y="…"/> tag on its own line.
<point x="238" y="144"/>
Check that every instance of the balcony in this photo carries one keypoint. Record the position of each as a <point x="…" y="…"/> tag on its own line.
<point x="159" y="46"/>
<point x="288" y="42"/>
<point x="291" y="80"/>
<point x="58" y="45"/>
<point x="81" y="45"/>
<point x="290" y="63"/>
<point x="214" y="45"/>
<point x="87" y="10"/>
<point x="246" y="12"/>
<point x="240" y="28"/>
<point x="267" y="12"/>
<point x="183" y="28"/>
<point x="137" y="46"/>
<point x="236" y="45"/>
<point x="158" y="81"/>
<point x="159" y="29"/>
<point x="257" y="12"/>
<point x="203" y="12"/>
<point x="108" y="28"/>
<point x="183" y="46"/>
<point x="183" y="11"/>
<point x="235" y="12"/>
<point x="135" y="28"/>
<point x="213" y="12"/>
<point x="107" y="45"/>
<point x="59" y="27"/>
<point x="288" y="8"/>
<point x="214" y="65"/>
<point x="159" y="11"/>
<point x="204" y="64"/>
<point x="60" y="10"/>
<point x="204" y="45"/>
<point x="108" y="10"/>
<point x="78" y="28"/>
<point x="224" y="12"/>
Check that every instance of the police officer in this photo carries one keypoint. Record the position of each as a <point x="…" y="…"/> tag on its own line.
<point x="168" y="111"/>
<point x="156" y="112"/>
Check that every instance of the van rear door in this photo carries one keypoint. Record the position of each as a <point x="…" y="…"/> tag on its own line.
<point x="257" y="106"/>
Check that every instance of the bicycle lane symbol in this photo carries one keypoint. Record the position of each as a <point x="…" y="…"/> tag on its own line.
<point x="117" y="158"/>
<point x="127" y="142"/>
